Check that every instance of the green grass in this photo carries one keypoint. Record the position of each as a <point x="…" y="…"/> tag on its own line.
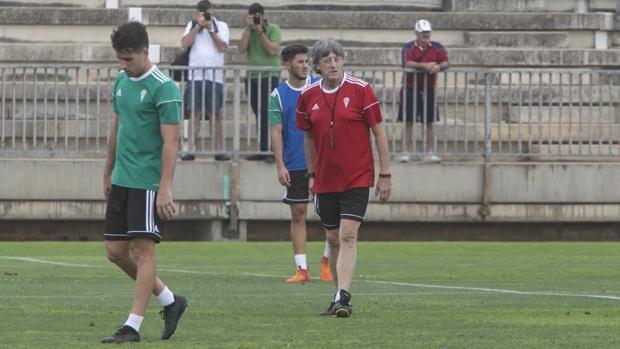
<point x="238" y="297"/>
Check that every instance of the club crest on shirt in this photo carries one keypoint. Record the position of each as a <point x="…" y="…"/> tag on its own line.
<point x="142" y="94"/>
<point x="315" y="106"/>
<point x="346" y="102"/>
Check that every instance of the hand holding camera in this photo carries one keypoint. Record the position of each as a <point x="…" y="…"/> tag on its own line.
<point x="255" y="22"/>
<point x="204" y="20"/>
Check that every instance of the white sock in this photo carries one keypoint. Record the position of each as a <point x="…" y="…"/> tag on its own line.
<point x="326" y="250"/>
<point x="134" y="321"/>
<point x="300" y="261"/>
<point x="185" y="129"/>
<point x="337" y="298"/>
<point x="166" y="297"/>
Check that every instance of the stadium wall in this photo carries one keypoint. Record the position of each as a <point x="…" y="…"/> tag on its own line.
<point x="453" y="193"/>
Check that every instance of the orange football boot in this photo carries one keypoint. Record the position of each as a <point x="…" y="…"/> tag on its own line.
<point x="301" y="275"/>
<point x="326" y="273"/>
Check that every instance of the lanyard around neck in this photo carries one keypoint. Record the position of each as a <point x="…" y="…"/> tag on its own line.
<point x="332" y="109"/>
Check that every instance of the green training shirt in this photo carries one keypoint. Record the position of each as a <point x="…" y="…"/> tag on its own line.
<point x="259" y="56"/>
<point x="142" y="105"/>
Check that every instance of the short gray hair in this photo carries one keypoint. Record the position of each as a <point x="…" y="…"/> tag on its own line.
<point x="324" y="47"/>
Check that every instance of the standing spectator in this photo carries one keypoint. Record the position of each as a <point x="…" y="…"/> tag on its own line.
<point x="430" y="57"/>
<point x="137" y="177"/>
<point x="338" y="113"/>
<point x="208" y="38"/>
<point x="287" y="142"/>
<point x="261" y="41"/>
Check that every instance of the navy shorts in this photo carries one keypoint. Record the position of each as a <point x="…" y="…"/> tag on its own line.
<point x="131" y="214"/>
<point x="350" y="204"/>
<point x="202" y="93"/>
<point x="432" y="113"/>
<point x="298" y="192"/>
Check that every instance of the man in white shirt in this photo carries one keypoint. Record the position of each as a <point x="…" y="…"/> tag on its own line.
<point x="204" y="96"/>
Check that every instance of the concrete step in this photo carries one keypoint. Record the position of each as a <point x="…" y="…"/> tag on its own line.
<point x="385" y="28"/>
<point x="432" y="5"/>
<point x="506" y="132"/>
<point x="170" y="36"/>
<point x="97" y="128"/>
<point x="568" y="115"/>
<point x="373" y="20"/>
<point x="552" y="150"/>
<point x="356" y="56"/>
<point x="533" y="5"/>
<point x="54" y="4"/>
<point x="451" y="130"/>
<point x="449" y="113"/>
<point x="470" y="95"/>
<point x="517" y="39"/>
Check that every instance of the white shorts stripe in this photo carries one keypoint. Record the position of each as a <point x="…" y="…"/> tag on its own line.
<point x="352" y="215"/>
<point x="151" y="226"/>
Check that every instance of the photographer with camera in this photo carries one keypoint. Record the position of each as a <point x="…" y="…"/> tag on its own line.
<point x="261" y="42"/>
<point x="204" y="95"/>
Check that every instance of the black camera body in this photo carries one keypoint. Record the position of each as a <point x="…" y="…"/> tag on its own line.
<point x="256" y="20"/>
<point x="206" y="15"/>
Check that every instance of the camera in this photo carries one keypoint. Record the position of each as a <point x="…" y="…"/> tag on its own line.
<point x="256" y="19"/>
<point x="207" y="16"/>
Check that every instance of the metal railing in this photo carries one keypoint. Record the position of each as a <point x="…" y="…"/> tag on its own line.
<point x="60" y="110"/>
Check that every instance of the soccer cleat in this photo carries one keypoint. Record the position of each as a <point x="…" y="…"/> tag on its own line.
<point x="187" y="157"/>
<point x="171" y="315"/>
<point x="222" y="157"/>
<point x="343" y="307"/>
<point x="301" y="275"/>
<point x="329" y="311"/>
<point x="124" y="334"/>
<point x="431" y="157"/>
<point x="404" y="159"/>
<point x="326" y="273"/>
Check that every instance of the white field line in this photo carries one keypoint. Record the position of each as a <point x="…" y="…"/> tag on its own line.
<point x="378" y="282"/>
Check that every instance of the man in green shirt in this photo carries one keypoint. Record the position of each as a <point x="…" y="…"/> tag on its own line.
<point x="261" y="41"/>
<point x="142" y="150"/>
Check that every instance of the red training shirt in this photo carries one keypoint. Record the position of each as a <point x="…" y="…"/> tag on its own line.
<point x="412" y="51"/>
<point x="350" y="163"/>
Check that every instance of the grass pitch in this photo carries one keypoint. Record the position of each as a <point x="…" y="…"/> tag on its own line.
<point x="406" y="295"/>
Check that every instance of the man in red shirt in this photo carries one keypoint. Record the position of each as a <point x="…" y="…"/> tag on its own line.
<point x="430" y="57"/>
<point x="338" y="112"/>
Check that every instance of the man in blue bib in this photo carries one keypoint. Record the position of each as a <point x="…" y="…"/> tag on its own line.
<point x="288" y="147"/>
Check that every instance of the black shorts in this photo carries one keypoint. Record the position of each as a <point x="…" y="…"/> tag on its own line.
<point x="131" y="214"/>
<point x="350" y="204"/>
<point x="298" y="192"/>
<point x="432" y="112"/>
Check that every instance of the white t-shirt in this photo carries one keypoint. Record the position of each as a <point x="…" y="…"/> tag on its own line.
<point x="204" y="53"/>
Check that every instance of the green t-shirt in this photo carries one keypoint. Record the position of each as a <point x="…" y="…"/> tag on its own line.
<point x="142" y="105"/>
<point x="258" y="55"/>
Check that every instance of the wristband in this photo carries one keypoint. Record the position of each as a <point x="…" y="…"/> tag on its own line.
<point x="385" y="175"/>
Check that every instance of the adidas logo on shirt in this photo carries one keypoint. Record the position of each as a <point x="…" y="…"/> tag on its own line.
<point x="118" y="93"/>
<point x="315" y="106"/>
